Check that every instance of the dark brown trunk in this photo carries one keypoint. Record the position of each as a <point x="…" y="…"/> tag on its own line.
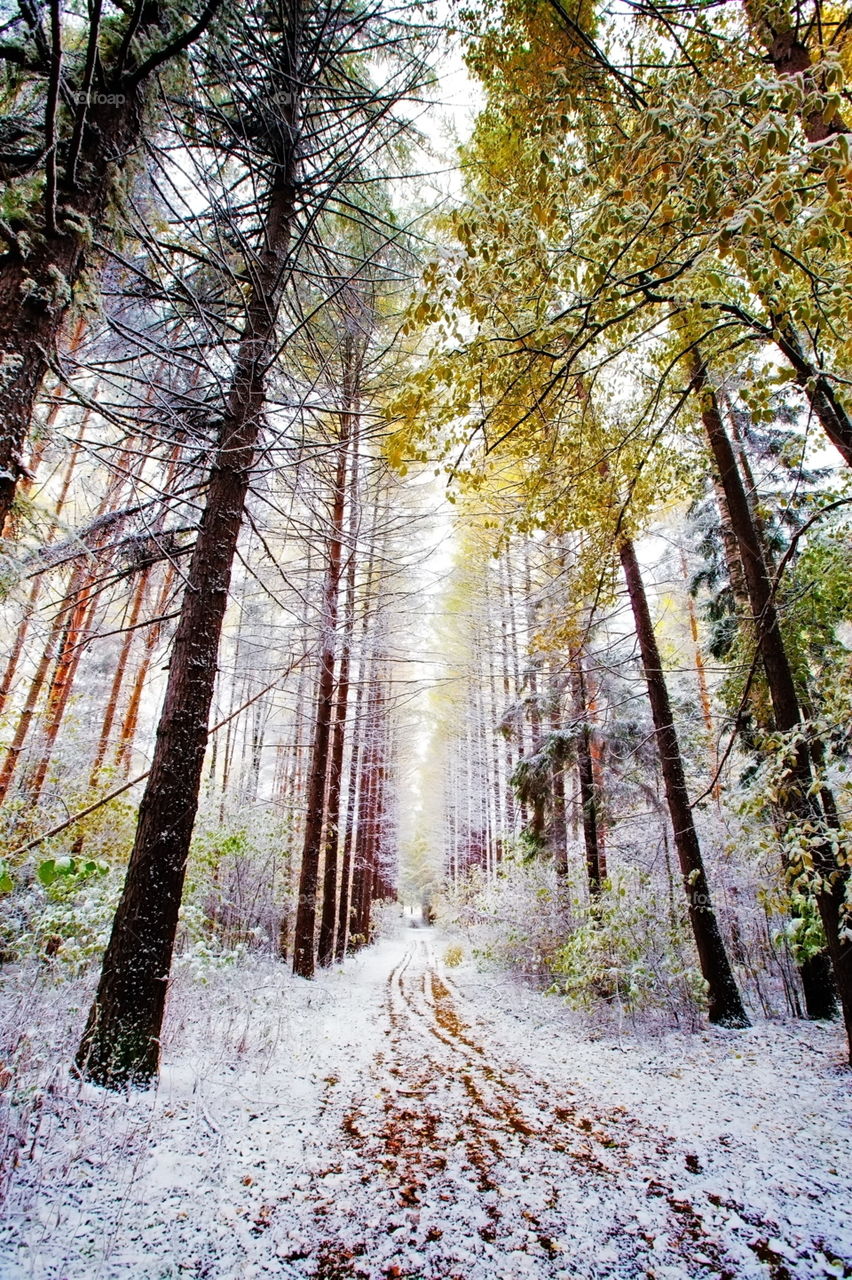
<point x="791" y="56"/>
<point x="350" y="880"/>
<point x="779" y="676"/>
<point x="817" y="387"/>
<point x="801" y="805"/>
<point x="598" y="751"/>
<point x="585" y="774"/>
<point x="361" y="859"/>
<point x="781" y="32"/>
<point x="371" y="810"/>
<point x="120" y="1044"/>
<point x="130" y="720"/>
<point x="33" y="307"/>
<point x="330" y="911"/>
<point x="304" y="957"/>
<point x="723" y="997"/>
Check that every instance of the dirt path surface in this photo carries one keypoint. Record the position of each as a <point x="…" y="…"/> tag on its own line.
<point x="476" y="1167"/>
<point x="378" y="1124"/>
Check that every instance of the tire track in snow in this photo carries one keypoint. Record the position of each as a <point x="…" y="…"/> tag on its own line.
<point x="464" y="1142"/>
<point x="469" y="1167"/>
<point x="529" y="1112"/>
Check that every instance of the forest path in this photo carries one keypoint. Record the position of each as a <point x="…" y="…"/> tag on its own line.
<point x="392" y="1120"/>
<point x="473" y="1166"/>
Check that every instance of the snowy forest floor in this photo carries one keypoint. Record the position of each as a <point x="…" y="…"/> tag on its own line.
<point x="391" y="1120"/>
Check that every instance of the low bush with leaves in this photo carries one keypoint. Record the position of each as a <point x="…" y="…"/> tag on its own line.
<point x="627" y="953"/>
<point x="60" y="912"/>
<point x="515" y="921"/>
<point x="239" y="883"/>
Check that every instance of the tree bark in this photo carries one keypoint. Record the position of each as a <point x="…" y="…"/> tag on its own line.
<point x="330" y="912"/>
<point x="585" y="774"/>
<point x="360" y="911"/>
<point x="802" y="806"/>
<point x="781" y="33"/>
<point x="724" y="1004"/>
<point x="304" y="955"/>
<point x="120" y="1044"/>
<point x="829" y="410"/>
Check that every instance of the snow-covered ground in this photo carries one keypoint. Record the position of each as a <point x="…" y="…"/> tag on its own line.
<point x="392" y="1119"/>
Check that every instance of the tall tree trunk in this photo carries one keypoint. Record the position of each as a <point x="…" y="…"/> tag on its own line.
<point x="77" y="625"/>
<point x="361" y="855"/>
<point x="585" y="773"/>
<point x="350" y="880"/>
<point x="558" y="827"/>
<point x="784" y="36"/>
<point x="498" y="789"/>
<point x="347" y="881"/>
<point x="509" y="696"/>
<point x="723" y="997"/>
<point x="120" y="1044"/>
<point x="802" y="804"/>
<point x="598" y="751"/>
<point x="130" y="720"/>
<point x="782" y="33"/>
<point x="536" y="827"/>
<point x="516" y="668"/>
<point x="304" y="956"/>
<point x="370" y="807"/>
<point x="376" y="815"/>
<point x="330" y="912"/>
<point x="35" y="590"/>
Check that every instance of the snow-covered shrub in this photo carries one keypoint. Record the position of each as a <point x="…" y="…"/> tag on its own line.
<point x="514" y="920"/>
<point x="57" y="902"/>
<point x="62" y="919"/>
<point x="239" y="884"/>
<point x="384" y="918"/>
<point x="630" y="950"/>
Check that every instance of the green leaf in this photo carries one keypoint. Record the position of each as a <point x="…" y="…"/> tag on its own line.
<point x="7" y="884"/>
<point x="52" y="869"/>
